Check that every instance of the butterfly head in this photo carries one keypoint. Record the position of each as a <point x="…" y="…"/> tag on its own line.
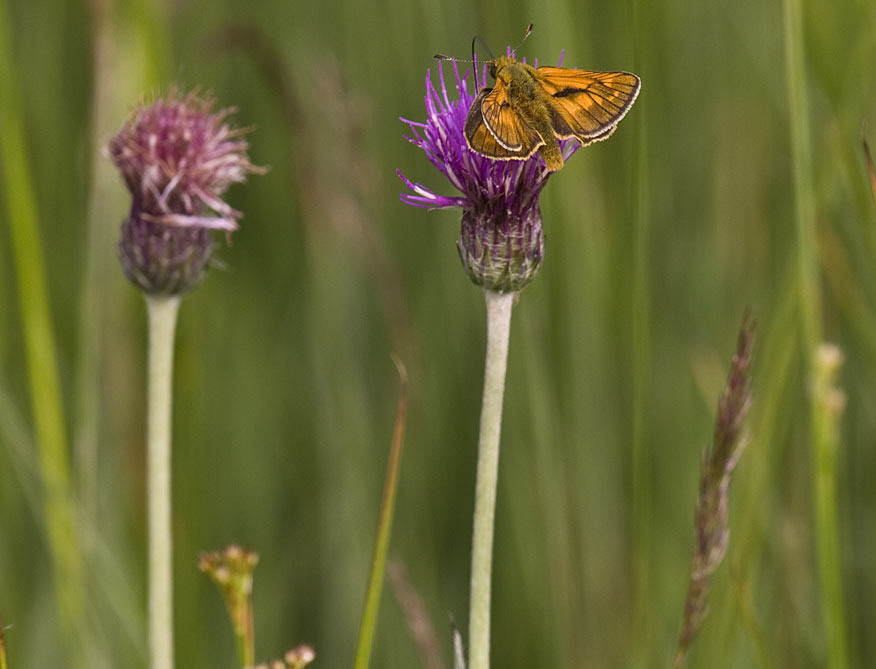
<point x="500" y="68"/>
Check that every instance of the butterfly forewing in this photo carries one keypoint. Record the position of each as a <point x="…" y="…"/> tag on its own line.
<point x="510" y="130"/>
<point x="587" y="105"/>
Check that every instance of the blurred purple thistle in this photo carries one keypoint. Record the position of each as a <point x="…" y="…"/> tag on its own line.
<point x="177" y="158"/>
<point x="719" y="461"/>
<point x="501" y="243"/>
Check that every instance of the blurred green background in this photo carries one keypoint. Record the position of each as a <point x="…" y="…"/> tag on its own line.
<point x="285" y="393"/>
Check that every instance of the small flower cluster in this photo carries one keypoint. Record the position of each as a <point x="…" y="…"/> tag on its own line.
<point x="232" y="570"/>
<point x="177" y="158"/>
<point x="501" y="241"/>
<point x="297" y="658"/>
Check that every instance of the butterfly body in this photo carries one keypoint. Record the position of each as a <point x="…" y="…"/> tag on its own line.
<point x="530" y="108"/>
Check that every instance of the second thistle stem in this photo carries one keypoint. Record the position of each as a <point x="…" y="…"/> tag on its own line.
<point x="499" y="307"/>
<point x="162" y="325"/>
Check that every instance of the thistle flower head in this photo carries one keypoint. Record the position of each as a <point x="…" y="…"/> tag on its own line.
<point x="177" y="157"/>
<point x="501" y="244"/>
<point x="488" y="186"/>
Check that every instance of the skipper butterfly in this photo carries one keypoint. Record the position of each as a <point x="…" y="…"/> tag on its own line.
<point x="530" y="108"/>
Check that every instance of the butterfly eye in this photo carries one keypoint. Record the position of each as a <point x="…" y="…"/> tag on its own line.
<point x="493" y="70"/>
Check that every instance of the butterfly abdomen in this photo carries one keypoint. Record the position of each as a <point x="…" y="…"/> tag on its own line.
<point x="536" y="115"/>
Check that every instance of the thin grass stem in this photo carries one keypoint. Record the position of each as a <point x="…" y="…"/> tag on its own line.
<point x="828" y="406"/>
<point x="384" y="529"/>
<point x="824" y="476"/>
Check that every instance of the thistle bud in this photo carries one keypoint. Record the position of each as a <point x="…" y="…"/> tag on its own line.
<point x="161" y="259"/>
<point x="502" y="256"/>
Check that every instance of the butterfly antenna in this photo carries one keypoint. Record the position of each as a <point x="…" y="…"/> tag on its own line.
<point x="525" y="35"/>
<point x="477" y="38"/>
<point x="441" y="56"/>
<point x="474" y="41"/>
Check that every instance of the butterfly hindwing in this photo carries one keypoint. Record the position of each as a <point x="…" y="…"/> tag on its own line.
<point x="587" y="105"/>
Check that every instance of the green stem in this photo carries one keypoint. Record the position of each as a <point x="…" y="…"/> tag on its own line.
<point x="45" y="388"/>
<point x="245" y="636"/>
<point x="96" y="265"/>
<point x="498" y="330"/>
<point x="644" y="621"/>
<point x="804" y="188"/>
<point x="384" y="529"/>
<point x="162" y="324"/>
<point x="828" y="404"/>
<point x="823" y="446"/>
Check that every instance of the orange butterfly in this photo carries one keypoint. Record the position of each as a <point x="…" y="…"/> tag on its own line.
<point x="530" y="108"/>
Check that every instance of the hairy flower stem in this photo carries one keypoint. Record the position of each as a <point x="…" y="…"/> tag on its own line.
<point x="499" y="307"/>
<point x="162" y="312"/>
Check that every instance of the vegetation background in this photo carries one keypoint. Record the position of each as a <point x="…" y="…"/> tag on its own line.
<point x="737" y="178"/>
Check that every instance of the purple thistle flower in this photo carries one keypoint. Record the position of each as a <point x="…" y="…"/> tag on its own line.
<point x="177" y="158"/>
<point x="501" y="242"/>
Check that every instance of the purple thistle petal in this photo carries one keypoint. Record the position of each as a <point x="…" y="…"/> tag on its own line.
<point x="177" y="156"/>
<point x="481" y="180"/>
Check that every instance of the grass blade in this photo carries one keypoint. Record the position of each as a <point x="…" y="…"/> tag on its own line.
<point x="384" y="528"/>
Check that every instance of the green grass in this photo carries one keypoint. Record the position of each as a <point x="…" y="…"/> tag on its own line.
<point x="284" y="391"/>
